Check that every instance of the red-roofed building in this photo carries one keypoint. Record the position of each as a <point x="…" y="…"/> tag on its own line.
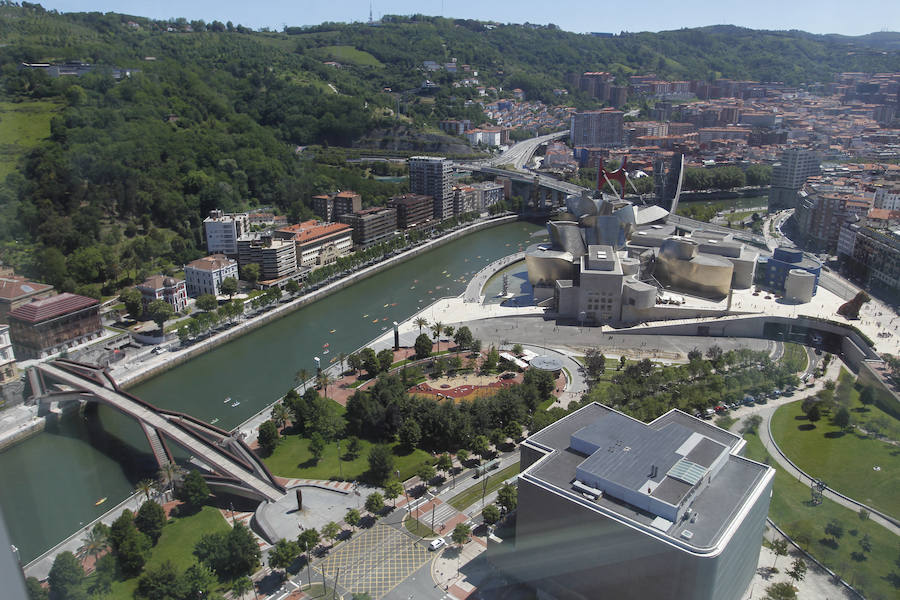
<point x="318" y="243"/>
<point x="50" y="325"/>
<point x="16" y="291"/>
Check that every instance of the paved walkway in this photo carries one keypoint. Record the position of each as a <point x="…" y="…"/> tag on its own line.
<point x="765" y="435"/>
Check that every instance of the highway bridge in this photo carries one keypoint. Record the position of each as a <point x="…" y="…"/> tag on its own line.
<point x="230" y="465"/>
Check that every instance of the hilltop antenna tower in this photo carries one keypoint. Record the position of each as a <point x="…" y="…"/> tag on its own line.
<point x="370" y="12"/>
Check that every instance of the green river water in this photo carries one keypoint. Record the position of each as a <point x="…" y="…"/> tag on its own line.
<point x="51" y="482"/>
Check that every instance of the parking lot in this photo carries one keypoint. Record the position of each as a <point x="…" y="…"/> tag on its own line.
<point x="375" y="561"/>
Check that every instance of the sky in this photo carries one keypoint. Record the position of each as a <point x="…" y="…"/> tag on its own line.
<point x="815" y="16"/>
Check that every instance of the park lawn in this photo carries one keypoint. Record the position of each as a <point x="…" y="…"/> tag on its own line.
<point x="467" y="498"/>
<point x="176" y="544"/>
<point x="292" y="458"/>
<point x="867" y="416"/>
<point x="415" y="527"/>
<point x="843" y="460"/>
<point x="791" y="510"/>
<point x="795" y="356"/>
<point x="349" y="54"/>
<point x="22" y="126"/>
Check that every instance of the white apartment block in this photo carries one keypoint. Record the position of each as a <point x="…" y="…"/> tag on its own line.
<point x="888" y="198"/>
<point x="8" y="371"/>
<point x="205" y="275"/>
<point x="223" y="231"/>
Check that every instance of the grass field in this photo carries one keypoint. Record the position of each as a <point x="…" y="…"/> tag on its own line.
<point x="22" y="126"/>
<point x="417" y="528"/>
<point x="293" y="459"/>
<point x="877" y="574"/>
<point x="467" y="498"/>
<point x="349" y="54"/>
<point x="844" y="460"/>
<point x="176" y="545"/>
<point x="870" y="418"/>
<point x="795" y="357"/>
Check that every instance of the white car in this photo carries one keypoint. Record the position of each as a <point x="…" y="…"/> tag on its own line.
<point x="437" y="544"/>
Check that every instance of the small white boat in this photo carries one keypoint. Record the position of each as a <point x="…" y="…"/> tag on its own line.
<point x="214" y="421"/>
<point x="226" y="400"/>
<point x="326" y="351"/>
<point x="233" y="404"/>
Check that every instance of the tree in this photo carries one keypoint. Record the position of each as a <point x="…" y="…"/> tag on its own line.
<point x="779" y="548"/>
<point x="798" y="570"/>
<point x="462" y="455"/>
<point x="330" y="531"/>
<point x="375" y="503"/>
<point x="594" y="362"/>
<point x="280" y="414"/>
<point x="198" y="580"/>
<point x="621" y="363"/>
<point x="867" y="396"/>
<point x="241" y="586"/>
<point x="462" y="337"/>
<point x="409" y="433"/>
<point x="302" y="377"/>
<point x="842" y="418"/>
<point x="308" y="539"/>
<point x="436" y="329"/>
<point x="230" y="554"/>
<point x="316" y="446"/>
<point x="96" y="542"/>
<point x="353" y="446"/>
<point x="781" y="591"/>
<point x="229" y="287"/>
<point x="133" y="303"/>
<point x="814" y="414"/>
<point x="35" y="590"/>
<point x="352" y="518"/>
<point x="426" y="473"/>
<point x="517" y="349"/>
<point x="834" y="529"/>
<point x="193" y="490"/>
<point x="865" y="543"/>
<point x="491" y="514"/>
<point x="206" y="302"/>
<point x="381" y="463"/>
<point x="513" y="430"/>
<point x="385" y="360"/>
<point x="150" y="520"/>
<point x="268" y="437"/>
<point x="480" y="446"/>
<point x="423" y="345"/>
<point x="160" y="311"/>
<point x="694" y="354"/>
<point x="444" y="463"/>
<point x="355" y="362"/>
<point x="507" y="498"/>
<point x="66" y="577"/>
<point x="251" y="273"/>
<point x="420" y="322"/>
<point x="160" y="583"/>
<point x="751" y="424"/>
<point x="460" y="534"/>
<point x="323" y="380"/>
<point x="370" y="361"/>
<point x="392" y="490"/>
<point x="292" y="287"/>
<point x="283" y="554"/>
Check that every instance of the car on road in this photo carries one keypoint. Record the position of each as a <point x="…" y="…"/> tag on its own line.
<point x="159" y="350"/>
<point x="437" y="544"/>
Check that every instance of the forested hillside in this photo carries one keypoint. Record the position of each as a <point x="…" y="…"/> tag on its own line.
<point x="117" y="185"/>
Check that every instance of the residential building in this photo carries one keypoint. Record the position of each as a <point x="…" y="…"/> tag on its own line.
<point x="795" y="167"/>
<point x="371" y="225"/>
<point x="49" y="325"/>
<point x="455" y="126"/>
<point x="611" y="507"/>
<point x="597" y="128"/>
<point x="160" y="287"/>
<point x="706" y="135"/>
<point x="318" y="243"/>
<point x="332" y="206"/>
<point x="205" y="275"/>
<point x="16" y="291"/>
<point x="412" y="210"/>
<point x="276" y="257"/>
<point x="887" y="197"/>
<point x="874" y="260"/>
<point x="223" y="230"/>
<point x="822" y="209"/>
<point x="489" y="194"/>
<point x="465" y="200"/>
<point x="8" y="370"/>
<point x="432" y="176"/>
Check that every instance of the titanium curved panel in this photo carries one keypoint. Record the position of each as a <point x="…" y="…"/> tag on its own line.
<point x="708" y="276"/>
<point x="566" y="236"/>
<point x="546" y="266"/>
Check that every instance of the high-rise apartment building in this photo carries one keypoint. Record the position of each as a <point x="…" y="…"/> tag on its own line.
<point x="789" y="175"/>
<point x="332" y="206"/>
<point x="223" y="231"/>
<point x="431" y="176"/>
<point x="413" y="210"/>
<point x="597" y="128"/>
<point x="371" y="225"/>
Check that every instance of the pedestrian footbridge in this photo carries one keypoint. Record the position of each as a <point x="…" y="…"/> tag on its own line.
<point x="230" y="465"/>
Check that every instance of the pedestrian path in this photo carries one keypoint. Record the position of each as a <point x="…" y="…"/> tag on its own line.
<point x="340" y="486"/>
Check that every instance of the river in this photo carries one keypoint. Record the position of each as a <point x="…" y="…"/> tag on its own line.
<point x="52" y="481"/>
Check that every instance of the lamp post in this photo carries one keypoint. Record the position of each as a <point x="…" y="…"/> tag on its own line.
<point x="340" y="466"/>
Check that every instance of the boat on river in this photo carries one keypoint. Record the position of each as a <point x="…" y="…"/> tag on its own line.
<point x="100" y="501"/>
<point x="226" y="400"/>
<point x="234" y="404"/>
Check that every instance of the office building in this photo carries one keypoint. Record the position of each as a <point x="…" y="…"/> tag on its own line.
<point x="413" y="210"/>
<point x="159" y="287"/>
<point x="47" y="326"/>
<point x="332" y="206"/>
<point x="372" y="225"/>
<point x="597" y="128"/>
<point x="317" y="243"/>
<point x="223" y="230"/>
<point x="431" y="176"/>
<point x="610" y="507"/>
<point x="205" y="275"/>
<point x="276" y="257"/>
<point x="788" y="176"/>
<point x="16" y="291"/>
<point x="8" y="370"/>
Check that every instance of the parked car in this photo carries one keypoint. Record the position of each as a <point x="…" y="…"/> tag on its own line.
<point x="437" y="544"/>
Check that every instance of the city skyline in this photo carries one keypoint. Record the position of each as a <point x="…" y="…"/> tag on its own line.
<point x="819" y="17"/>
